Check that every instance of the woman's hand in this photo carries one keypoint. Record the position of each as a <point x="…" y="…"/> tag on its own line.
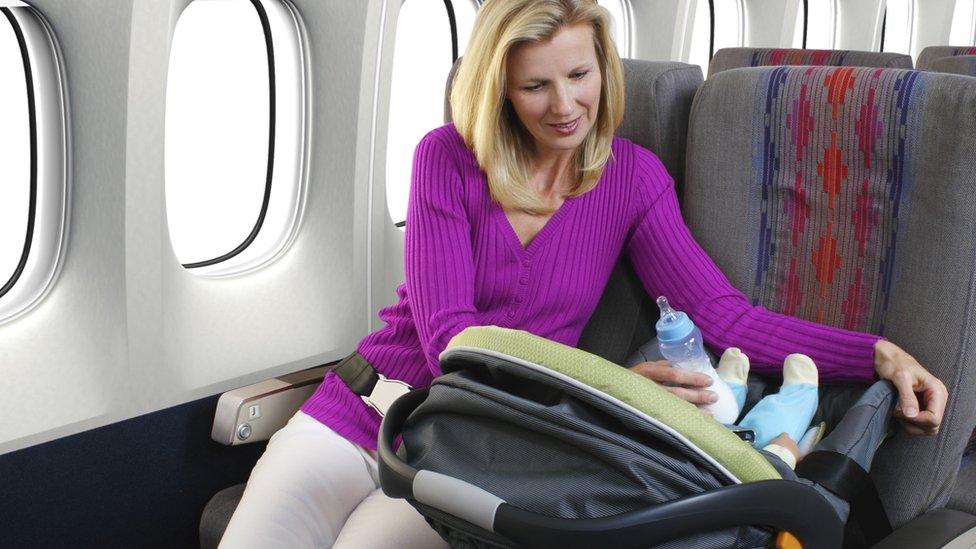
<point x="685" y="385"/>
<point x="911" y="379"/>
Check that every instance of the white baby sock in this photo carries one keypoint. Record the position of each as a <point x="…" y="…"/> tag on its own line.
<point x="790" y="410"/>
<point x="733" y="368"/>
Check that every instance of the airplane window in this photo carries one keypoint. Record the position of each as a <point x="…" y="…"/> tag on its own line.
<point x="799" y="32"/>
<point x="701" y="35"/>
<point x="32" y="159"/>
<point x="963" y="30"/>
<point x="422" y="59"/>
<point x="621" y="18"/>
<point x="718" y="24"/>
<point x="899" y="27"/>
<point x="15" y="152"/>
<point x="730" y="24"/>
<point x="234" y="134"/>
<point x="821" y="24"/>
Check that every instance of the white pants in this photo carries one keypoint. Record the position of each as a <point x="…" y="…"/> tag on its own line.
<point x="313" y="488"/>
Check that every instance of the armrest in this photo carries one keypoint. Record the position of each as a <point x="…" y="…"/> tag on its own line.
<point x="253" y="413"/>
<point x="946" y="528"/>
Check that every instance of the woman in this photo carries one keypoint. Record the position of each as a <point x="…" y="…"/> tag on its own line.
<point x="518" y="213"/>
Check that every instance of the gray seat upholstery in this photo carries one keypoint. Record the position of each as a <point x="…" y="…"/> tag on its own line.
<point x="216" y="515"/>
<point x="964" y="65"/>
<point x="963" y="497"/>
<point x="837" y="195"/>
<point x="659" y="98"/>
<point x="932" y="53"/>
<point x="735" y="58"/>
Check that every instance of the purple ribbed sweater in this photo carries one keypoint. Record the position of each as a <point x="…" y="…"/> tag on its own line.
<point x="466" y="267"/>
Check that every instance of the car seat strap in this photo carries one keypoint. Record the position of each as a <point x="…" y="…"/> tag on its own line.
<point x="849" y="481"/>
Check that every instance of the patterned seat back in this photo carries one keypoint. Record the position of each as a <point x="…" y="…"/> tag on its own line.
<point x="960" y="64"/>
<point x="735" y="58"/>
<point x="932" y="53"/>
<point x="845" y="196"/>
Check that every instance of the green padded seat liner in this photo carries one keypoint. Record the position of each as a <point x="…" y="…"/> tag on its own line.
<point x="707" y="438"/>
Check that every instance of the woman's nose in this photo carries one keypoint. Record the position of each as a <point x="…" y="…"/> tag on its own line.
<point x="562" y="101"/>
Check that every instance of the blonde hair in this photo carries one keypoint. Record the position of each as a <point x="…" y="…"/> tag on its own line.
<point x="486" y="120"/>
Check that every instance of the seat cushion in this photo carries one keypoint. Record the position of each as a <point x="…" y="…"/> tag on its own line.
<point x="216" y="515"/>
<point x="735" y="58"/>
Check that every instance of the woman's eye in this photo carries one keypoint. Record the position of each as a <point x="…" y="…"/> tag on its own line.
<point x="579" y="75"/>
<point x="536" y="87"/>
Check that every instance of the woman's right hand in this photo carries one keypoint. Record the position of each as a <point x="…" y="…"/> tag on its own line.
<point x="685" y="385"/>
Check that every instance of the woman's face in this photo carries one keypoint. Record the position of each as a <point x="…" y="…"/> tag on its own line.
<point x="554" y="87"/>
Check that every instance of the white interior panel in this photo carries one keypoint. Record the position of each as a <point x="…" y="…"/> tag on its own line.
<point x="662" y="29"/>
<point x="859" y="24"/>
<point x="124" y="329"/>
<point x="771" y="23"/>
<point x="934" y="22"/>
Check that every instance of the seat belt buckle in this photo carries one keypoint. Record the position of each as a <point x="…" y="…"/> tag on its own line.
<point x="384" y="393"/>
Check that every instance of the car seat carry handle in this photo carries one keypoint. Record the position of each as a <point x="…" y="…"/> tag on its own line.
<point x="770" y="503"/>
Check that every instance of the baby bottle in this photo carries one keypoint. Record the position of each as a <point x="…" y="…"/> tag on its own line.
<point x="681" y="344"/>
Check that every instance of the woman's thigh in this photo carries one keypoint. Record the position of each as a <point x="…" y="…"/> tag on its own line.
<point x="380" y="522"/>
<point x="302" y="490"/>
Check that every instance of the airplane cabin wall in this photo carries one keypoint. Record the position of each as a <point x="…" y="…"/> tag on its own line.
<point x="125" y="329"/>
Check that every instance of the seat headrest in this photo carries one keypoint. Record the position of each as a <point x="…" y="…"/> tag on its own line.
<point x="964" y="65"/>
<point x="932" y="53"/>
<point x="735" y="58"/>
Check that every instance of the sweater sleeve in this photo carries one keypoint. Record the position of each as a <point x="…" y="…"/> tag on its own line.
<point x="669" y="262"/>
<point x="438" y="264"/>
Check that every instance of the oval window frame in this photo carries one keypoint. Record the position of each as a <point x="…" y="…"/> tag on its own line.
<point x="285" y="188"/>
<point x="47" y="220"/>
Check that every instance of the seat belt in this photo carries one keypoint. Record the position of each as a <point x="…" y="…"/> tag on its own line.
<point x="374" y="388"/>
<point x="848" y="480"/>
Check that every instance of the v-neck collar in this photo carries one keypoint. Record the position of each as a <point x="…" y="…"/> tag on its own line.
<point x="539" y="239"/>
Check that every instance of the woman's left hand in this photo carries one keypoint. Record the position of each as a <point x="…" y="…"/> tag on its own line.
<point x="910" y="378"/>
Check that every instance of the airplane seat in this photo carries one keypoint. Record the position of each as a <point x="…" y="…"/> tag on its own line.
<point x="963" y="498"/>
<point x="658" y="100"/>
<point x="840" y="195"/>
<point x="735" y="58"/>
<point x="933" y="53"/>
<point x="964" y="65"/>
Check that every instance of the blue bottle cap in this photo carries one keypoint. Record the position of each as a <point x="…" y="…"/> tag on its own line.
<point x="673" y="325"/>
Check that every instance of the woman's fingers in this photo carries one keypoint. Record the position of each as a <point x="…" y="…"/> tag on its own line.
<point x="662" y="372"/>
<point x="700" y="397"/>
<point x="922" y="397"/>
<point x="907" y="401"/>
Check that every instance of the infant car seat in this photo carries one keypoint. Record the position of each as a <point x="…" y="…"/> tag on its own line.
<point x="524" y="442"/>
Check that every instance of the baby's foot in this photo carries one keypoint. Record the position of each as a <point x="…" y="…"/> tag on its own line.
<point x="790" y="410"/>
<point x="733" y="368"/>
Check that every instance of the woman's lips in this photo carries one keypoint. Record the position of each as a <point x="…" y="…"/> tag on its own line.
<point x="568" y="128"/>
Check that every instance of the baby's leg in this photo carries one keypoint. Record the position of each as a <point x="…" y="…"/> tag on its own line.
<point x="790" y="410"/>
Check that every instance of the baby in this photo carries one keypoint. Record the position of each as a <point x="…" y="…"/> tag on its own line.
<point x="779" y="420"/>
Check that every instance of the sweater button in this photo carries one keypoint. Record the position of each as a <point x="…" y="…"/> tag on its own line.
<point x="511" y="314"/>
<point x="519" y="299"/>
<point x="524" y="280"/>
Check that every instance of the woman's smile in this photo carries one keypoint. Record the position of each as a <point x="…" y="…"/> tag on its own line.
<point x="567" y="128"/>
